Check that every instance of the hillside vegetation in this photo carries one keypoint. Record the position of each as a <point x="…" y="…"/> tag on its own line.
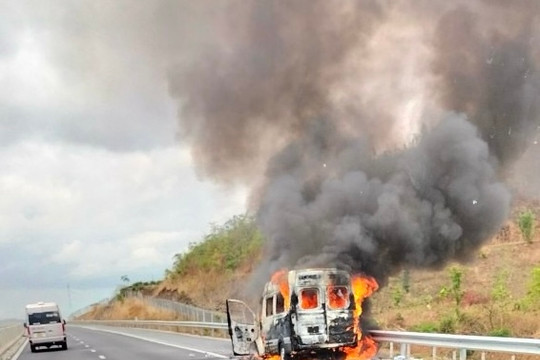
<point x="215" y="268"/>
<point x="498" y="293"/>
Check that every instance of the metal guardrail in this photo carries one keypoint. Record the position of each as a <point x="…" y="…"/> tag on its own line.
<point x="188" y="312"/>
<point x="192" y="324"/>
<point x="462" y="343"/>
<point x="185" y="311"/>
<point x="9" y="335"/>
<point x="88" y="308"/>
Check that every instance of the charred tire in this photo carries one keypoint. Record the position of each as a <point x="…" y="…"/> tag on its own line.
<point x="32" y="348"/>
<point x="64" y="345"/>
<point x="283" y="354"/>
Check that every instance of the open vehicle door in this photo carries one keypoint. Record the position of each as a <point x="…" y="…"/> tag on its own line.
<point x="243" y="328"/>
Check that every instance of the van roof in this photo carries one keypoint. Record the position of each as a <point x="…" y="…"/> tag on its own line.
<point x="41" y="306"/>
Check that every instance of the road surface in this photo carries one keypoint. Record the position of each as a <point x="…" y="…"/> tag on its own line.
<point x="113" y="343"/>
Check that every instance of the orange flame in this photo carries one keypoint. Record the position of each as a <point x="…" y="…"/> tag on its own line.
<point x="338" y="297"/>
<point x="309" y="299"/>
<point x="280" y="278"/>
<point x="362" y="287"/>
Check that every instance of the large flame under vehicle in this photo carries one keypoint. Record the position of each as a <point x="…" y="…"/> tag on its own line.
<point x="303" y="313"/>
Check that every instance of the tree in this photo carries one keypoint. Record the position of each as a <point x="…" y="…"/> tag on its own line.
<point x="456" y="291"/>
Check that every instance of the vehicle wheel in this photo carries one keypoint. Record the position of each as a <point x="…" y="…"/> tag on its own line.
<point x="283" y="354"/>
<point x="64" y="345"/>
<point x="32" y="348"/>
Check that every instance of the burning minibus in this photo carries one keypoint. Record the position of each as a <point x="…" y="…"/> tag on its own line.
<point x="304" y="313"/>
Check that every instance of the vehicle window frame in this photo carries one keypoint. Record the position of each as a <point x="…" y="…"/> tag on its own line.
<point x="346" y="297"/>
<point x="318" y="293"/>
<point x="32" y="318"/>
<point x="271" y="303"/>
<point x="279" y="296"/>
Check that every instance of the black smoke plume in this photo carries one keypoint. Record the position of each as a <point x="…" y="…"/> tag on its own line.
<point x="373" y="132"/>
<point x="332" y="202"/>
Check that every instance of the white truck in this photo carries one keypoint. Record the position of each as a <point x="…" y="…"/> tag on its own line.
<point x="45" y="326"/>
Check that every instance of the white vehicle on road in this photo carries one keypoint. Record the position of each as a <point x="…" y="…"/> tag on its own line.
<point x="45" y="326"/>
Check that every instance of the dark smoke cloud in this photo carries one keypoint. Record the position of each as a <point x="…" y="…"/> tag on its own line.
<point x="248" y="96"/>
<point x="324" y="100"/>
<point x="433" y="202"/>
<point x="489" y="71"/>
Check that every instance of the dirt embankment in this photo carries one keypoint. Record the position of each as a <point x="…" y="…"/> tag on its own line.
<point x="493" y="285"/>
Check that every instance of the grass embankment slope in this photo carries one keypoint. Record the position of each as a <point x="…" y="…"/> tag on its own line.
<point x="498" y="293"/>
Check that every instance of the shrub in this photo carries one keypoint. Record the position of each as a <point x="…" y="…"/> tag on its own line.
<point x="501" y="299"/>
<point x="502" y="332"/>
<point x="532" y="299"/>
<point x="534" y="284"/>
<point x="447" y="325"/>
<point x="471" y="297"/>
<point x="397" y="296"/>
<point x="526" y="222"/>
<point x="455" y="291"/>
<point x="500" y="292"/>
<point x="406" y="281"/>
<point x="426" y="328"/>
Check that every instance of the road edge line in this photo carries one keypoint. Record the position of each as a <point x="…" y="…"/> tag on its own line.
<point x="19" y="352"/>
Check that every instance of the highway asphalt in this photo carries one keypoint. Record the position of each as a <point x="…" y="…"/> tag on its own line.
<point x="115" y="343"/>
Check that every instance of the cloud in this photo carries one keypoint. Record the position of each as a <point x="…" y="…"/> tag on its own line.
<point x="76" y="214"/>
<point x="69" y="74"/>
<point x="95" y="181"/>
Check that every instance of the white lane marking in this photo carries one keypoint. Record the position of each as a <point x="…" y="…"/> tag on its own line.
<point x="82" y="342"/>
<point x="101" y="357"/>
<point x="19" y="352"/>
<point x="86" y="346"/>
<point x="92" y="350"/>
<point x="161" y="342"/>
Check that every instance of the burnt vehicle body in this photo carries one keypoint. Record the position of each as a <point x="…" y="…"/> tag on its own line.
<point x="311" y="313"/>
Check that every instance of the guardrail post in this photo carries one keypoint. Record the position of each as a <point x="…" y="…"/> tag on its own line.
<point x="483" y="355"/>
<point x="462" y="354"/>
<point x="391" y="350"/>
<point x="434" y="353"/>
<point x="403" y="349"/>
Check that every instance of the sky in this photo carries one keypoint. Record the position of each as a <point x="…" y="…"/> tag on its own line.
<point x="95" y="182"/>
<point x="128" y="127"/>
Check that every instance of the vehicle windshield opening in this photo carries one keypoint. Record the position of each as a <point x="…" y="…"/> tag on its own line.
<point x="49" y="317"/>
